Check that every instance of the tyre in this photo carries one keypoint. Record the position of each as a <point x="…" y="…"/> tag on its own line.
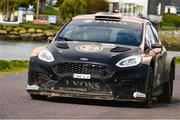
<point x="166" y="96"/>
<point x="149" y="88"/>
<point x="38" y="97"/>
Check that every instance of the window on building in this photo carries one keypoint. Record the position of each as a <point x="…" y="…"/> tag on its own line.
<point x="169" y="10"/>
<point x="115" y="7"/>
<point x="178" y="10"/>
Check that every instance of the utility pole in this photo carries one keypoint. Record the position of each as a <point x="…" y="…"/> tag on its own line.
<point x="7" y="12"/>
<point x="37" y="11"/>
<point x="7" y="6"/>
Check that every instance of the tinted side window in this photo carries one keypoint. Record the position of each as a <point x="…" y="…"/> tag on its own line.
<point x="150" y="39"/>
<point x="155" y="33"/>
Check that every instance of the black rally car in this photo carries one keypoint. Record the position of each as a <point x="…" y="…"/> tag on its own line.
<point x="103" y="56"/>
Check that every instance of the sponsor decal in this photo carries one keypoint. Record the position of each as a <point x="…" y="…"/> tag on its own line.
<point x="112" y="22"/>
<point x="89" y="48"/>
<point x="106" y="45"/>
<point x="84" y="85"/>
<point x="84" y="59"/>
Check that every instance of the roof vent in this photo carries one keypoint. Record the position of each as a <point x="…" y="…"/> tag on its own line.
<point x="107" y="18"/>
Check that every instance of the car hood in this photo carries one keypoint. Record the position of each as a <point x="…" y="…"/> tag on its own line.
<point x="91" y="52"/>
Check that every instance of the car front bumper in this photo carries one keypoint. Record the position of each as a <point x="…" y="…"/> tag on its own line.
<point x="121" y="84"/>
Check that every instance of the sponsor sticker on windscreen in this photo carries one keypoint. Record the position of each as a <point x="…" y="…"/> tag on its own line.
<point x="82" y="76"/>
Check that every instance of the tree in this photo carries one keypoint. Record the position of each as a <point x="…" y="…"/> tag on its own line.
<point x="94" y="6"/>
<point x="71" y="8"/>
<point x="7" y="7"/>
<point x="10" y="6"/>
<point x="59" y="2"/>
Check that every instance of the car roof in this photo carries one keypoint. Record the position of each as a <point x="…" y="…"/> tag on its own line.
<point x="117" y="16"/>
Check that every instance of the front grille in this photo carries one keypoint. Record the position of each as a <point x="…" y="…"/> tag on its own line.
<point x="81" y="85"/>
<point x="83" y="68"/>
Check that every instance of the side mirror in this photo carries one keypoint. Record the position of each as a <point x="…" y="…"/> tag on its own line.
<point x="157" y="46"/>
<point x="50" y="39"/>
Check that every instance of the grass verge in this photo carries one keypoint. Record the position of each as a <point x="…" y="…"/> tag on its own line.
<point x="13" y="66"/>
<point x="177" y="60"/>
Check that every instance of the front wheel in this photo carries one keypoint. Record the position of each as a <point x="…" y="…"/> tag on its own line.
<point x="166" y="96"/>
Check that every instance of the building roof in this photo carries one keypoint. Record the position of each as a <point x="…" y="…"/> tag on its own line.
<point x="172" y="3"/>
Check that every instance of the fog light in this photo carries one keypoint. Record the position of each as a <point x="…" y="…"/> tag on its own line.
<point x="139" y="95"/>
<point x="32" y="87"/>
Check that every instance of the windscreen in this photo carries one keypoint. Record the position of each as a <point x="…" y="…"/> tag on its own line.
<point x="125" y="33"/>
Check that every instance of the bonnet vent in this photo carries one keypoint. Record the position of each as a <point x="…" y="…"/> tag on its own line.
<point x="120" y="49"/>
<point x="62" y="45"/>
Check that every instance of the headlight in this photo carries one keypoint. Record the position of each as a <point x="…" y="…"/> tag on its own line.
<point x="129" y="61"/>
<point x="46" y="55"/>
<point x="36" y="51"/>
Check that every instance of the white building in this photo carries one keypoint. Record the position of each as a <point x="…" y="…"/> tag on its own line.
<point x="172" y="6"/>
<point x="149" y="9"/>
<point x="170" y="9"/>
<point x="134" y="7"/>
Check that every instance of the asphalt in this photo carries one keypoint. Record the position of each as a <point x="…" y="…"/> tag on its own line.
<point x="16" y="103"/>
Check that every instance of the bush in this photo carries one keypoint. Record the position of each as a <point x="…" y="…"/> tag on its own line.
<point x="71" y="8"/>
<point x="50" y="11"/>
<point x="94" y="6"/>
<point x="171" y="43"/>
<point x="171" y="19"/>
